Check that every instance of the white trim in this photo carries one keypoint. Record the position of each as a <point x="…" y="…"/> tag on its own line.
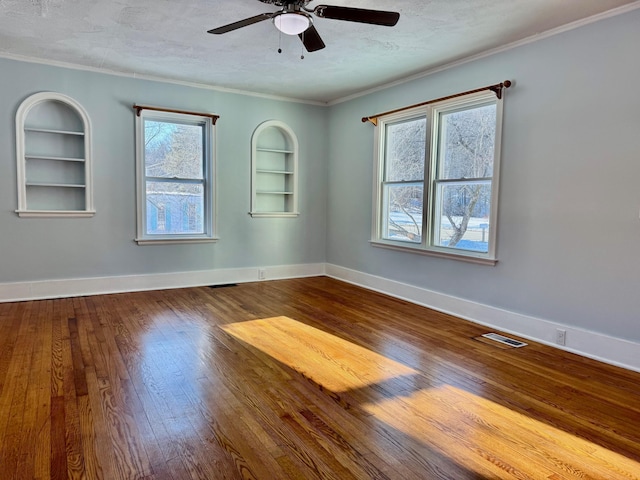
<point x="487" y="53"/>
<point x="209" y="175"/>
<point x="432" y="113"/>
<point x="22" y="155"/>
<point x="153" y="78"/>
<point x="174" y="241"/>
<point x="290" y="171"/>
<point x="38" y="290"/>
<point x="55" y="213"/>
<point x="598" y="346"/>
<point x="273" y="214"/>
<point x="463" y="255"/>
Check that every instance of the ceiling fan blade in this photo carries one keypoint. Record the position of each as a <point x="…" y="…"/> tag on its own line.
<point x="376" y="17"/>
<point x="311" y="39"/>
<point x="240" y="24"/>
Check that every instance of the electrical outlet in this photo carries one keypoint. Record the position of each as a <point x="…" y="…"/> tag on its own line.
<point x="561" y="336"/>
<point x="262" y="274"/>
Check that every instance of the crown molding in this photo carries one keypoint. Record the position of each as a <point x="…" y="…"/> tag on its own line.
<point x="487" y="53"/>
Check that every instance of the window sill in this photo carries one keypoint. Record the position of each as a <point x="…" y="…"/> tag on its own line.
<point x="173" y="241"/>
<point x="55" y="213"/>
<point x="434" y="252"/>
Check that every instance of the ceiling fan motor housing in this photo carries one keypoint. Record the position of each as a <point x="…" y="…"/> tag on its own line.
<point x="285" y="3"/>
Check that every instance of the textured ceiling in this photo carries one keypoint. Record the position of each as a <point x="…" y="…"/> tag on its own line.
<point x="168" y="39"/>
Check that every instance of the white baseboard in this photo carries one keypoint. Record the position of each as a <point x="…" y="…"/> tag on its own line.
<point x="39" y="290"/>
<point x="607" y="349"/>
<point x="612" y="350"/>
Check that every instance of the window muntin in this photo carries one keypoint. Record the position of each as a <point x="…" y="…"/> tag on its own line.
<point x="175" y="170"/>
<point x="436" y="189"/>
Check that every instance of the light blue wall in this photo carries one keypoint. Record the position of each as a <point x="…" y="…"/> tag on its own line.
<point x="569" y="226"/>
<point x="41" y="248"/>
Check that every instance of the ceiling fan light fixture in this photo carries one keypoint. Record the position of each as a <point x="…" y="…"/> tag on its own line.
<point x="292" y="23"/>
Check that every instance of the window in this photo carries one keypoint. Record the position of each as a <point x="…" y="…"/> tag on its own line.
<point x="436" y="182"/>
<point x="175" y="177"/>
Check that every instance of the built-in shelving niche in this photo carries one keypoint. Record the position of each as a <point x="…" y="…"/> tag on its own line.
<point x="53" y="147"/>
<point x="274" y="171"/>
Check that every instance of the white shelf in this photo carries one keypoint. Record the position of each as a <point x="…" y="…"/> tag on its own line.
<point x="57" y="185"/>
<point x="273" y="214"/>
<point x="276" y="172"/>
<point x="52" y="158"/>
<point x="273" y="150"/>
<point x="49" y="130"/>
<point x="55" y="213"/>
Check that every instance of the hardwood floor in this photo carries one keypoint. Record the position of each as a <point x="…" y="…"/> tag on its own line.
<point x="302" y="379"/>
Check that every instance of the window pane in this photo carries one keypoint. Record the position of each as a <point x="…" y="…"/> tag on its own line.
<point x="174" y="207"/>
<point x="405" y="149"/>
<point x="467" y="140"/>
<point x="403" y="212"/>
<point x="173" y="150"/>
<point x="462" y="216"/>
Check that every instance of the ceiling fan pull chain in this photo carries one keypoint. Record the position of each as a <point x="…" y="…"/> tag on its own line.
<point x="302" y="47"/>
<point x="280" y="42"/>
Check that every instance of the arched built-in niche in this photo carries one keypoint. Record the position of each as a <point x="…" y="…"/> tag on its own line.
<point x="53" y="147"/>
<point x="274" y="171"/>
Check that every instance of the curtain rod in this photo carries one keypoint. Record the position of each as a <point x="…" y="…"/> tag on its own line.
<point x="139" y="108"/>
<point x="497" y="89"/>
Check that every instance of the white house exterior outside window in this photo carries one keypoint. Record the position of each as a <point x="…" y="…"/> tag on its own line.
<point x="436" y="178"/>
<point x="175" y="172"/>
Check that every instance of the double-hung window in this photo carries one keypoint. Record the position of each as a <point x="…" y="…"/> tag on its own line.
<point x="436" y="181"/>
<point x="175" y="172"/>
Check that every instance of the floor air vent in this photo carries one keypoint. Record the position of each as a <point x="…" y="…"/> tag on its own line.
<point x="224" y="285"/>
<point x="505" y="340"/>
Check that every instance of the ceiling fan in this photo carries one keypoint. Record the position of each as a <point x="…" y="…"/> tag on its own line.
<point x="294" y="18"/>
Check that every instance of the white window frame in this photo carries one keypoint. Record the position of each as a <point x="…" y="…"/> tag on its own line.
<point x="209" y="167"/>
<point x="432" y="113"/>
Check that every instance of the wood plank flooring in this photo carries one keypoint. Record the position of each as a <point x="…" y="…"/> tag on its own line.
<point x="296" y="379"/>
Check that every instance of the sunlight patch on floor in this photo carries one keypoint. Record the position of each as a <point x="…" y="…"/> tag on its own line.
<point x="330" y="361"/>
<point x="480" y="435"/>
<point x="493" y="440"/>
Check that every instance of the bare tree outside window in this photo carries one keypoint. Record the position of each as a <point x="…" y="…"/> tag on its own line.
<point x="174" y="171"/>
<point x="404" y="178"/>
<point x="466" y="153"/>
